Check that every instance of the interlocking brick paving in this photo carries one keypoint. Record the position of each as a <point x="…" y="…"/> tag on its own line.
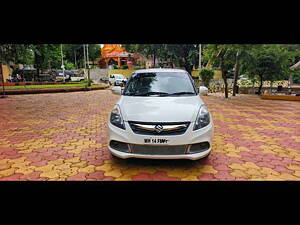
<point x="63" y="137"/>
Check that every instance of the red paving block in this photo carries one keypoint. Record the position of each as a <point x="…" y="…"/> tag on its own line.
<point x="13" y="177"/>
<point x="39" y="163"/>
<point x="108" y="179"/>
<point x="35" y="176"/>
<point x="224" y="175"/>
<point x="77" y="177"/>
<point x="99" y="175"/>
<point x="207" y="177"/>
<point x="222" y="167"/>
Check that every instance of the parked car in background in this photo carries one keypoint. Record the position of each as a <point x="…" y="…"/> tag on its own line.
<point x="117" y="79"/>
<point x="243" y="77"/>
<point x="77" y="77"/>
<point x="68" y="75"/>
<point x="160" y="115"/>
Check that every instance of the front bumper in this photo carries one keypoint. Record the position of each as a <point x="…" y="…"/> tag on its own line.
<point x="189" y="137"/>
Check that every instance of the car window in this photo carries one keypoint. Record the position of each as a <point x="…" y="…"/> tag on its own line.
<point x="163" y="82"/>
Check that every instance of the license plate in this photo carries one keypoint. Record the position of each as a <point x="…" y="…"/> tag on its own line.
<point x="156" y="141"/>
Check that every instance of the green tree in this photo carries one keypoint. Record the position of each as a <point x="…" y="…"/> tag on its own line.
<point x="221" y="56"/>
<point x="206" y="76"/>
<point x="46" y="56"/>
<point x="270" y="62"/>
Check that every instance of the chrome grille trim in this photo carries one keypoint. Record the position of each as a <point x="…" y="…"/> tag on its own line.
<point x="150" y="128"/>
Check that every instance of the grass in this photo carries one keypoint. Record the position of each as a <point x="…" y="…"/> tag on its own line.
<point x="49" y="86"/>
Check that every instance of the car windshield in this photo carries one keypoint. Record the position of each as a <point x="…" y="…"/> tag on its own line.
<point x="160" y="84"/>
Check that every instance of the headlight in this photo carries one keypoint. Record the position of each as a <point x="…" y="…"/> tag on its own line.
<point x="203" y="118"/>
<point x="116" y="117"/>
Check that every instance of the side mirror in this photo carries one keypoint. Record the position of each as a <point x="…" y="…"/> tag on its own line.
<point x="203" y="90"/>
<point x="117" y="90"/>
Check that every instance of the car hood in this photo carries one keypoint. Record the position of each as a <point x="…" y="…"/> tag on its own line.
<point x="160" y="109"/>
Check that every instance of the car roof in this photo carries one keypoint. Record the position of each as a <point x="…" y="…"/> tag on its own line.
<point x="156" y="70"/>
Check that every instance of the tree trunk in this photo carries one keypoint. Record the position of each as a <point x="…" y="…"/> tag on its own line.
<point x="189" y="69"/>
<point x="261" y="84"/>
<point x="236" y="75"/>
<point x="2" y="81"/>
<point x="224" y="77"/>
<point x="154" y="57"/>
<point x="271" y="86"/>
<point x="291" y="80"/>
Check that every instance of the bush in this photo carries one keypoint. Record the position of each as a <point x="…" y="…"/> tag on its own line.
<point x="116" y="67"/>
<point x="124" y="67"/>
<point x="206" y="76"/>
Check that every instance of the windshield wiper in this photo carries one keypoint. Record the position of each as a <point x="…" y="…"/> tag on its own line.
<point x="151" y="93"/>
<point x="183" y="93"/>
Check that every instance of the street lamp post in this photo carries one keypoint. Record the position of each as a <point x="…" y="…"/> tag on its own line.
<point x="199" y="67"/>
<point x="88" y="64"/>
<point x="62" y="62"/>
<point x="200" y="50"/>
<point x="84" y="56"/>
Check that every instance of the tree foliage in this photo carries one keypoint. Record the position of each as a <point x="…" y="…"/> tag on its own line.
<point x="206" y="76"/>
<point x="269" y="62"/>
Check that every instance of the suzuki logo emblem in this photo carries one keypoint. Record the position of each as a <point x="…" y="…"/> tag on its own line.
<point x="158" y="128"/>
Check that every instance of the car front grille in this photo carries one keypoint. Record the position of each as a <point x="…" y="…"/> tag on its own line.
<point x="144" y="128"/>
<point x="158" y="150"/>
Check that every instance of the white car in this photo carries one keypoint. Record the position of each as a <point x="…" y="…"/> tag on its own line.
<point x="160" y="115"/>
<point x="117" y="79"/>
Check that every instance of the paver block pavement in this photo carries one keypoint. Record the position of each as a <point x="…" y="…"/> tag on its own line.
<point x="63" y="136"/>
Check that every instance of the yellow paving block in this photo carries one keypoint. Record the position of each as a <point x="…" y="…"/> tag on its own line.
<point x="113" y="173"/>
<point x="243" y="149"/>
<point x="287" y="176"/>
<point x="8" y="172"/>
<point x="25" y="170"/>
<point x="46" y="168"/>
<point x="69" y="172"/>
<point x="75" y="151"/>
<point x="251" y="165"/>
<point x="64" y="166"/>
<point x="50" y="174"/>
<point x="237" y="166"/>
<point x="254" y="172"/>
<point x="79" y="164"/>
<point x="20" y="164"/>
<point x="240" y="174"/>
<point x="17" y="160"/>
<point x="293" y="167"/>
<point x="56" y="162"/>
<point x="190" y="178"/>
<point x="178" y="173"/>
<point x="233" y="154"/>
<point x="272" y="178"/>
<point x="73" y="160"/>
<point x="5" y="166"/>
<point x="268" y="171"/>
<point x="4" y="161"/>
<point x="88" y="169"/>
<point x="208" y="169"/>
<point x="123" y="178"/>
<point x="58" y="179"/>
<point x="104" y="167"/>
